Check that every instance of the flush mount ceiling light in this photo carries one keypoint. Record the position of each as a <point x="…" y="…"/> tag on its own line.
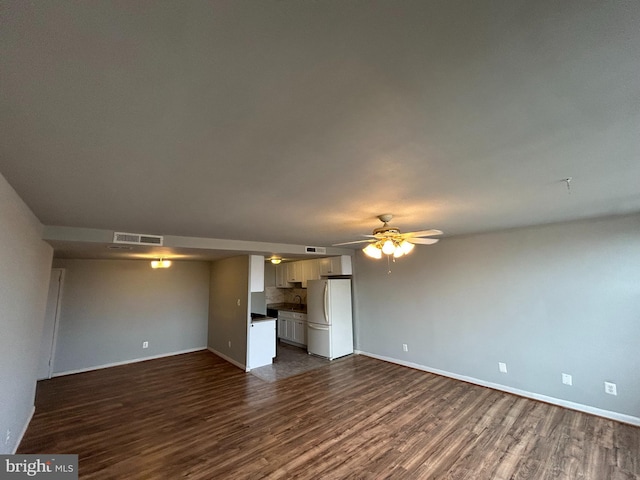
<point x="276" y="259"/>
<point x="161" y="263"/>
<point x="389" y="241"/>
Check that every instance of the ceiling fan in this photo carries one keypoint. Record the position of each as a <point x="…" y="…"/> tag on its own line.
<point x="390" y="241"/>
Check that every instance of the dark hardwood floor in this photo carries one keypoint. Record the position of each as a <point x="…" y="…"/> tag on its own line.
<point x="196" y="416"/>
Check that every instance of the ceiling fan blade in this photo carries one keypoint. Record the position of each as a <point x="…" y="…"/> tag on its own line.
<point x="423" y="233"/>
<point x="350" y="243"/>
<point x="423" y="241"/>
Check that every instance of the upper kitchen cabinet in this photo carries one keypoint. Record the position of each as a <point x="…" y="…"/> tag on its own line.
<point x="256" y="273"/>
<point x="281" y="276"/>
<point x="310" y="271"/>
<point x="335" y="266"/>
<point x="291" y="273"/>
<point x="294" y="272"/>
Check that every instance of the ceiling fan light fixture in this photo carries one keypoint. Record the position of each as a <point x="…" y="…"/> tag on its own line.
<point x="390" y="241"/>
<point x="373" y="251"/>
<point x="406" y="247"/>
<point x="388" y="247"/>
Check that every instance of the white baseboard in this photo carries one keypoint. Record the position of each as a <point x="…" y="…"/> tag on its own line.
<point x="228" y="359"/>
<point x="24" y="430"/>
<point x="126" y="362"/>
<point x="619" y="417"/>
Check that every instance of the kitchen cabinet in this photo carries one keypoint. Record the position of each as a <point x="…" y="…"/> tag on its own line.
<point x="282" y="327"/>
<point x="310" y="271"/>
<point x="292" y="327"/>
<point x="294" y="272"/>
<point x="256" y="273"/>
<point x="262" y="343"/>
<point x="286" y="329"/>
<point x="335" y="266"/>
<point x="288" y="274"/>
<point x="300" y="332"/>
<point x="281" y="276"/>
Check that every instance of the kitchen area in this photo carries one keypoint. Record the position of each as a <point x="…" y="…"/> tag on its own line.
<point x="307" y="307"/>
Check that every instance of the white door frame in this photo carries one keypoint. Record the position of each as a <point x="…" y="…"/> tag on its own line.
<point x="52" y="340"/>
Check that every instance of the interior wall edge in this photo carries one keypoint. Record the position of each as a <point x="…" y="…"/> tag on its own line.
<point x="228" y="359"/>
<point x="24" y="430"/>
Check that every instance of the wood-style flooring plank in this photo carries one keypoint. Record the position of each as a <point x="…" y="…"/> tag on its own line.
<point x="195" y="416"/>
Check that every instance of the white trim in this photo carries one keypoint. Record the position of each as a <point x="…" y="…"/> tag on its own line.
<point x="619" y="417"/>
<point x="126" y="362"/>
<point x="228" y="359"/>
<point x="56" y="321"/>
<point x="24" y="430"/>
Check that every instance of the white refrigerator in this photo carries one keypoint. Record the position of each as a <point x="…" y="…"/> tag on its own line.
<point x="329" y="318"/>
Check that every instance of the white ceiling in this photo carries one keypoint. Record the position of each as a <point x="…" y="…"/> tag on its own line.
<point x="300" y="121"/>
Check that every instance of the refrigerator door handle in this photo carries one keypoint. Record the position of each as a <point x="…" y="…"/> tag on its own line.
<point x="326" y="300"/>
<point x="315" y="327"/>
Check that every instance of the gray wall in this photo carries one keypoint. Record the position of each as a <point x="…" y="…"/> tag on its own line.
<point x="109" y="307"/>
<point x="258" y="302"/>
<point x="25" y="265"/>
<point x="545" y="300"/>
<point x="228" y="321"/>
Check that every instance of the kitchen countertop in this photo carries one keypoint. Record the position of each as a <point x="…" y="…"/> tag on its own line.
<point x="290" y="307"/>
<point x="259" y="317"/>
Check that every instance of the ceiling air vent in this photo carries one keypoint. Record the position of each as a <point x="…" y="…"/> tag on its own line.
<point x="318" y="250"/>
<point x="137" y="239"/>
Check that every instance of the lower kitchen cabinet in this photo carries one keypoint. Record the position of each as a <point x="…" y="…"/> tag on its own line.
<point x="282" y="327"/>
<point x="292" y="327"/>
<point x="262" y="343"/>
<point x="300" y="332"/>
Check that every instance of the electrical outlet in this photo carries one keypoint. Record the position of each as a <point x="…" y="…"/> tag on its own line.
<point x="502" y="367"/>
<point x="610" y="388"/>
<point x="145" y="344"/>
<point x="405" y="347"/>
<point x="567" y="379"/>
<point x="238" y="302"/>
<point x="8" y="437"/>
